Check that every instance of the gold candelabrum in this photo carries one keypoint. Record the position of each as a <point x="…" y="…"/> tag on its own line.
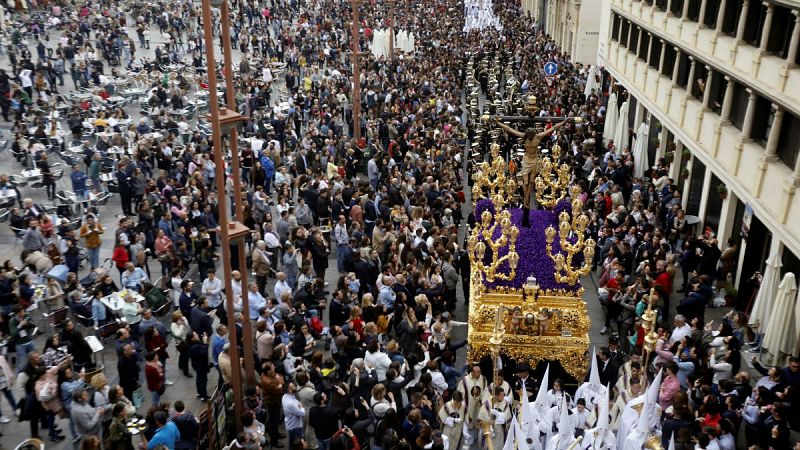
<point x="649" y="323"/>
<point x="572" y="240"/>
<point x="552" y="181"/>
<point x="482" y="239"/>
<point x="491" y="178"/>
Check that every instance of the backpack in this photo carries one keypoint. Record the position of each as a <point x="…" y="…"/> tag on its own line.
<point x="316" y="325"/>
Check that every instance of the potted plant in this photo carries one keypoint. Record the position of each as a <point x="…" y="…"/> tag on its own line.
<point x="686" y="153"/>
<point x="685" y="172"/>
<point x="722" y="190"/>
<point x="669" y="156"/>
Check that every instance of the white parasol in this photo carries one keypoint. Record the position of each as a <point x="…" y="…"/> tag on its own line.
<point x="591" y="81"/>
<point x="622" y="134"/>
<point x="762" y="307"/>
<point x="640" y="161"/>
<point x="612" y="115"/>
<point x="780" y="336"/>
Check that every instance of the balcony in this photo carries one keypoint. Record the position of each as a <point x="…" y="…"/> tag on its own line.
<point x="739" y="163"/>
<point x="766" y="73"/>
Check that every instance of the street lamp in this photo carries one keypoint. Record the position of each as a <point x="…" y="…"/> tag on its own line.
<point x="391" y="30"/>
<point x="225" y="120"/>
<point x="355" y="42"/>
<point x="247" y="332"/>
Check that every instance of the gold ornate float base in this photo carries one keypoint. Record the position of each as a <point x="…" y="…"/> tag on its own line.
<point x="533" y="325"/>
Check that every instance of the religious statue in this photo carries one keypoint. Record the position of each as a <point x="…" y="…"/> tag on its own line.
<point x="530" y="160"/>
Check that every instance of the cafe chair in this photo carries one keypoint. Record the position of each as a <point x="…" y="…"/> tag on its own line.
<point x="108" y="331"/>
<point x="83" y="321"/>
<point x="56" y="318"/>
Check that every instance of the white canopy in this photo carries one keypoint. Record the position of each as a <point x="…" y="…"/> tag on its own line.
<point x="639" y="149"/>
<point x="780" y="336"/>
<point x="765" y="299"/>
<point x="622" y="134"/>
<point x="612" y="115"/>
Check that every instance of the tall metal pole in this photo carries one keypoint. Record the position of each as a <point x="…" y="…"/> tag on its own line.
<point x="216" y="127"/>
<point x="355" y="52"/>
<point x="247" y="332"/>
<point x="391" y="30"/>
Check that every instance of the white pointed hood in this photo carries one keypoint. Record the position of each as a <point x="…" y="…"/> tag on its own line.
<point x="649" y="407"/>
<point x="594" y="374"/>
<point x="541" y="396"/>
<point x="513" y="435"/>
<point x="565" y="430"/>
<point x="652" y="390"/>
<point x="602" y="420"/>
<point x="525" y="409"/>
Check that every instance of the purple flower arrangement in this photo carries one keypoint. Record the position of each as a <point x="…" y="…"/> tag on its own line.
<point x="531" y="247"/>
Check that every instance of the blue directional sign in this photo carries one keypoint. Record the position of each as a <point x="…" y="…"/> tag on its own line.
<point x="550" y="69"/>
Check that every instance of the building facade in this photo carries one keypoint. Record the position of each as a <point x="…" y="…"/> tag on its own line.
<point x="718" y="83"/>
<point x="573" y="24"/>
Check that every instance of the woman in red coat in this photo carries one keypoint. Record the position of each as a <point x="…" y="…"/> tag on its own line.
<point x="155" y="342"/>
<point x="120" y="258"/>
<point x="154" y="373"/>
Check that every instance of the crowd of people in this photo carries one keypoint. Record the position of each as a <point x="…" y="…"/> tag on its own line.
<point x="370" y="360"/>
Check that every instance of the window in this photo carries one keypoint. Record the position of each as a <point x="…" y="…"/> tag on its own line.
<point x="756" y="14"/>
<point x="677" y="7"/>
<point x="717" y="94"/>
<point x="790" y="262"/>
<point x="661" y="4"/>
<point x="713" y="205"/>
<point x="623" y="33"/>
<point x="634" y="38"/>
<point x="655" y="52"/>
<point x="697" y="176"/>
<point x="615" y="29"/>
<point x="654" y="134"/>
<point x="646" y="37"/>
<point x="632" y="106"/>
<point x="712" y="8"/>
<point x="789" y="141"/>
<point x="699" y="74"/>
<point x="780" y="32"/>
<point x="761" y="119"/>
<point x="739" y="105"/>
<point x="694" y="10"/>
<point x="669" y="60"/>
<point x="731" y="20"/>
<point x="683" y="70"/>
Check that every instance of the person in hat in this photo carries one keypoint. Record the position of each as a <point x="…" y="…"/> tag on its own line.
<point x="523" y="380"/>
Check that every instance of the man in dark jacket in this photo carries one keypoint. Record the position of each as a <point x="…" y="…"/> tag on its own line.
<point x="128" y="369"/>
<point x="198" y="353"/>
<point x="125" y="185"/>
<point x="324" y="417"/>
<point x="201" y="319"/>
<point x="187" y="426"/>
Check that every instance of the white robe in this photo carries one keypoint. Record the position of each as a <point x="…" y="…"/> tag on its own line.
<point x="592" y="440"/>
